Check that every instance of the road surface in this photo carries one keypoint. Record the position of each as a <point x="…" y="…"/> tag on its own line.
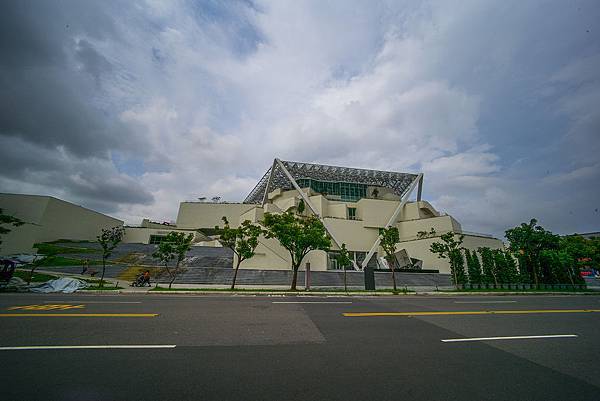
<point x="180" y="347"/>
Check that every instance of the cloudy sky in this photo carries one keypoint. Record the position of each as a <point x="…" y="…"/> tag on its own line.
<point x="129" y="107"/>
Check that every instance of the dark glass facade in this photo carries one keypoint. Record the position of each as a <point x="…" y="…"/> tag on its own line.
<point x="347" y="191"/>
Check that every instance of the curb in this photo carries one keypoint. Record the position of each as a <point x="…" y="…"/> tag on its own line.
<point x="366" y="294"/>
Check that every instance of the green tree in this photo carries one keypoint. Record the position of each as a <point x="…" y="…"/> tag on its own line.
<point x="6" y="221"/>
<point x="301" y="207"/>
<point x="109" y="238"/>
<point x="164" y="253"/>
<point x="389" y="237"/>
<point x="487" y="265"/>
<point x="242" y="241"/>
<point x="450" y="248"/>
<point x="36" y="262"/>
<point x="426" y="234"/>
<point x="298" y="235"/>
<point x="528" y="241"/>
<point x="343" y="260"/>
<point x="500" y="266"/>
<point x="524" y="276"/>
<point x="458" y="261"/>
<point x="473" y="267"/>
<point x="585" y="253"/>
<point x="511" y="268"/>
<point x="175" y="246"/>
<point x="182" y="243"/>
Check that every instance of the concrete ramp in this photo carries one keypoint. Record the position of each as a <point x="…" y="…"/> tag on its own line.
<point x="335" y="279"/>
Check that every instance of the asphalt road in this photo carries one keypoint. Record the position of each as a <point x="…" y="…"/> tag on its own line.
<point x="298" y="348"/>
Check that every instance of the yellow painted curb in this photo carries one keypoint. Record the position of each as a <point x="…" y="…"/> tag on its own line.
<point x="78" y="314"/>
<point x="487" y="312"/>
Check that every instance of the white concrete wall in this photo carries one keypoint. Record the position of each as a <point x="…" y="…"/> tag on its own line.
<point x="64" y="220"/>
<point x="29" y="209"/>
<point x="420" y="249"/>
<point x="408" y="229"/>
<point x="353" y="234"/>
<point x="358" y="235"/>
<point x="194" y="215"/>
<point x="49" y="219"/>
<point x="141" y="235"/>
<point x="375" y="212"/>
<point x="272" y="256"/>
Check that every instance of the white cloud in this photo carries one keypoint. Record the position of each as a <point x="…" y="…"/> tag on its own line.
<point x="205" y="101"/>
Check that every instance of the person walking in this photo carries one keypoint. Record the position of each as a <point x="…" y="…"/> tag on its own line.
<point x="85" y="264"/>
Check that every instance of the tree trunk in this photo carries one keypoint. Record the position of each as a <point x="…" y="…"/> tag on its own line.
<point x="294" y="278"/>
<point x="570" y="271"/>
<point x="535" y="275"/>
<point x="33" y="266"/>
<point x="392" y="267"/>
<point x="453" y="270"/>
<point x="31" y="274"/>
<point x="103" y="270"/>
<point x="161" y="273"/>
<point x="174" y="275"/>
<point x="169" y="273"/>
<point x="394" y="279"/>
<point x="235" y="273"/>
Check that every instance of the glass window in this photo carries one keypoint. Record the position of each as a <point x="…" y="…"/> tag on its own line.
<point x="351" y="213"/>
<point x="156" y="239"/>
<point x="347" y="191"/>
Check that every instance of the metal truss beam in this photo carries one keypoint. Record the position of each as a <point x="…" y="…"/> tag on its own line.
<point x="274" y="178"/>
<point x="393" y="218"/>
<point x="307" y="201"/>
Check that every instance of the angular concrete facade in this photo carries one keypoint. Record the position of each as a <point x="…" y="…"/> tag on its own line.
<point x="353" y="205"/>
<point x="49" y="219"/>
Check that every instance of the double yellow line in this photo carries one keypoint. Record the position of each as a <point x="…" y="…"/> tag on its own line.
<point x="487" y="312"/>
<point x="78" y="314"/>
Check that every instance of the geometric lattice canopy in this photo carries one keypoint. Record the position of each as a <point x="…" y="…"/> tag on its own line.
<point x="276" y="178"/>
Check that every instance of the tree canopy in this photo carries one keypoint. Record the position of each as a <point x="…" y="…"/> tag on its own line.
<point x="298" y="235"/>
<point x="527" y="241"/>
<point x="450" y="248"/>
<point x="109" y="238"/>
<point x="6" y="221"/>
<point x="242" y="241"/>
<point x="389" y="237"/>
<point x="175" y="246"/>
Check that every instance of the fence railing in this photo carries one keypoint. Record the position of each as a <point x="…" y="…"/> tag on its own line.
<point x="521" y="286"/>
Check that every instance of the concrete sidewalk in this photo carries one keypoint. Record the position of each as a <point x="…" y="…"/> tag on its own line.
<point x="120" y="283"/>
<point x="280" y="290"/>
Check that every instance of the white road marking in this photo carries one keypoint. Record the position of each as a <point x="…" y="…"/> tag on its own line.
<point x="96" y="302"/>
<point x="37" y="347"/>
<point x="456" y="340"/>
<point x="484" y="302"/>
<point x="311" y="302"/>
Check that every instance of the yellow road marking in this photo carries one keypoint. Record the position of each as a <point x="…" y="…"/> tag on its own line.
<point x="487" y="312"/>
<point x="48" y="307"/>
<point x="78" y="314"/>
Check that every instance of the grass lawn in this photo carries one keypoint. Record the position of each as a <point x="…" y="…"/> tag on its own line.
<point x="521" y="290"/>
<point x="95" y="285"/>
<point x="46" y="248"/>
<point x="106" y="287"/>
<point x="63" y="261"/>
<point x="37" y="277"/>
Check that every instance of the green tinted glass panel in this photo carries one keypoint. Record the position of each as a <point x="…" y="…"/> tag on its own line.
<point x="347" y="191"/>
